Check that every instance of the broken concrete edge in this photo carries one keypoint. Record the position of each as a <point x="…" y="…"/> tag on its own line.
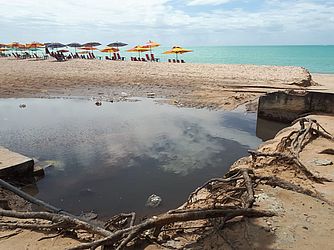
<point x="18" y="170"/>
<point x="287" y="106"/>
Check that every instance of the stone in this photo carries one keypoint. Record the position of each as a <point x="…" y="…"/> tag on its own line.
<point x="98" y="103"/>
<point x="322" y="162"/>
<point x="22" y="106"/>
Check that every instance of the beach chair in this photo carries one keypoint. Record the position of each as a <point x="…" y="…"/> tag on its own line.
<point x="178" y="61"/>
<point x="119" y="57"/>
<point x="143" y="59"/>
<point x="148" y="57"/>
<point x="59" y="57"/>
<point x="174" y="61"/>
<point x="153" y="59"/>
<point x="182" y="61"/>
<point x="93" y="56"/>
<point x="114" y="57"/>
<point x="169" y="60"/>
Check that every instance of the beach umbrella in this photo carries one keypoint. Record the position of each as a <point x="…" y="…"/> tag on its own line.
<point x="109" y="50"/>
<point x="75" y="46"/>
<point x="34" y="45"/>
<point x="138" y="49"/>
<point x="117" y="44"/>
<point x="150" y="44"/>
<point x="63" y="50"/>
<point x="89" y="48"/>
<point x="55" y="45"/>
<point x="14" y="45"/>
<point x="177" y="50"/>
<point x="91" y="44"/>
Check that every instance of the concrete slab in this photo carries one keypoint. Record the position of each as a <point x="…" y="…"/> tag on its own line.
<point x="14" y="164"/>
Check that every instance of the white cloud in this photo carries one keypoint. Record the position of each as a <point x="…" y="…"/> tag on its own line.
<point x="163" y="20"/>
<point x="207" y="2"/>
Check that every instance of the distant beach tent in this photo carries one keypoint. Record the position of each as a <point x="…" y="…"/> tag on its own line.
<point x="109" y="50"/>
<point x="138" y="49"/>
<point x="75" y="46"/>
<point x="177" y="50"/>
<point x="117" y="44"/>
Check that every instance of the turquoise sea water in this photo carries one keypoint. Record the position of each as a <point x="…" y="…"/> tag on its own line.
<point x="316" y="58"/>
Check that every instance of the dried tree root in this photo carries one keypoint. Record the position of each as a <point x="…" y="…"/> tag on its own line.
<point x="165" y="219"/>
<point x="278" y="182"/>
<point x="236" y="184"/>
<point x="289" y="158"/>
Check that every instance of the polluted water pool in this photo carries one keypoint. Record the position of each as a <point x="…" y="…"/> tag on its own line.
<point x="110" y="158"/>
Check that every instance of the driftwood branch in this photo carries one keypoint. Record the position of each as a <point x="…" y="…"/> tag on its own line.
<point x="166" y="219"/>
<point x="63" y="221"/>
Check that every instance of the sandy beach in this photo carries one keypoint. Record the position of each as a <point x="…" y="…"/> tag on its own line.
<point x="302" y="221"/>
<point x="192" y="85"/>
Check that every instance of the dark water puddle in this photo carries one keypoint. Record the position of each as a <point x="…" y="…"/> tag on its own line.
<point x="111" y="158"/>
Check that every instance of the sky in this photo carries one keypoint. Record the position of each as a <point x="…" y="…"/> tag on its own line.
<point x="169" y="22"/>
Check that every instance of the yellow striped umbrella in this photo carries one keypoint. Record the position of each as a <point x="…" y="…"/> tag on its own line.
<point x="138" y="49"/>
<point x="109" y="50"/>
<point x="177" y="50"/>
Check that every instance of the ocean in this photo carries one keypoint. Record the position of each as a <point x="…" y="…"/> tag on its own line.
<point x="315" y="58"/>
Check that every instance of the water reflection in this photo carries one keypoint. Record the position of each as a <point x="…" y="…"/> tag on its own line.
<point x="267" y="130"/>
<point x="111" y="158"/>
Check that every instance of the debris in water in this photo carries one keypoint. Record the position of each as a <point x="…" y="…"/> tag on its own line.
<point x="22" y="106"/>
<point x="153" y="201"/>
<point x="98" y="103"/>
